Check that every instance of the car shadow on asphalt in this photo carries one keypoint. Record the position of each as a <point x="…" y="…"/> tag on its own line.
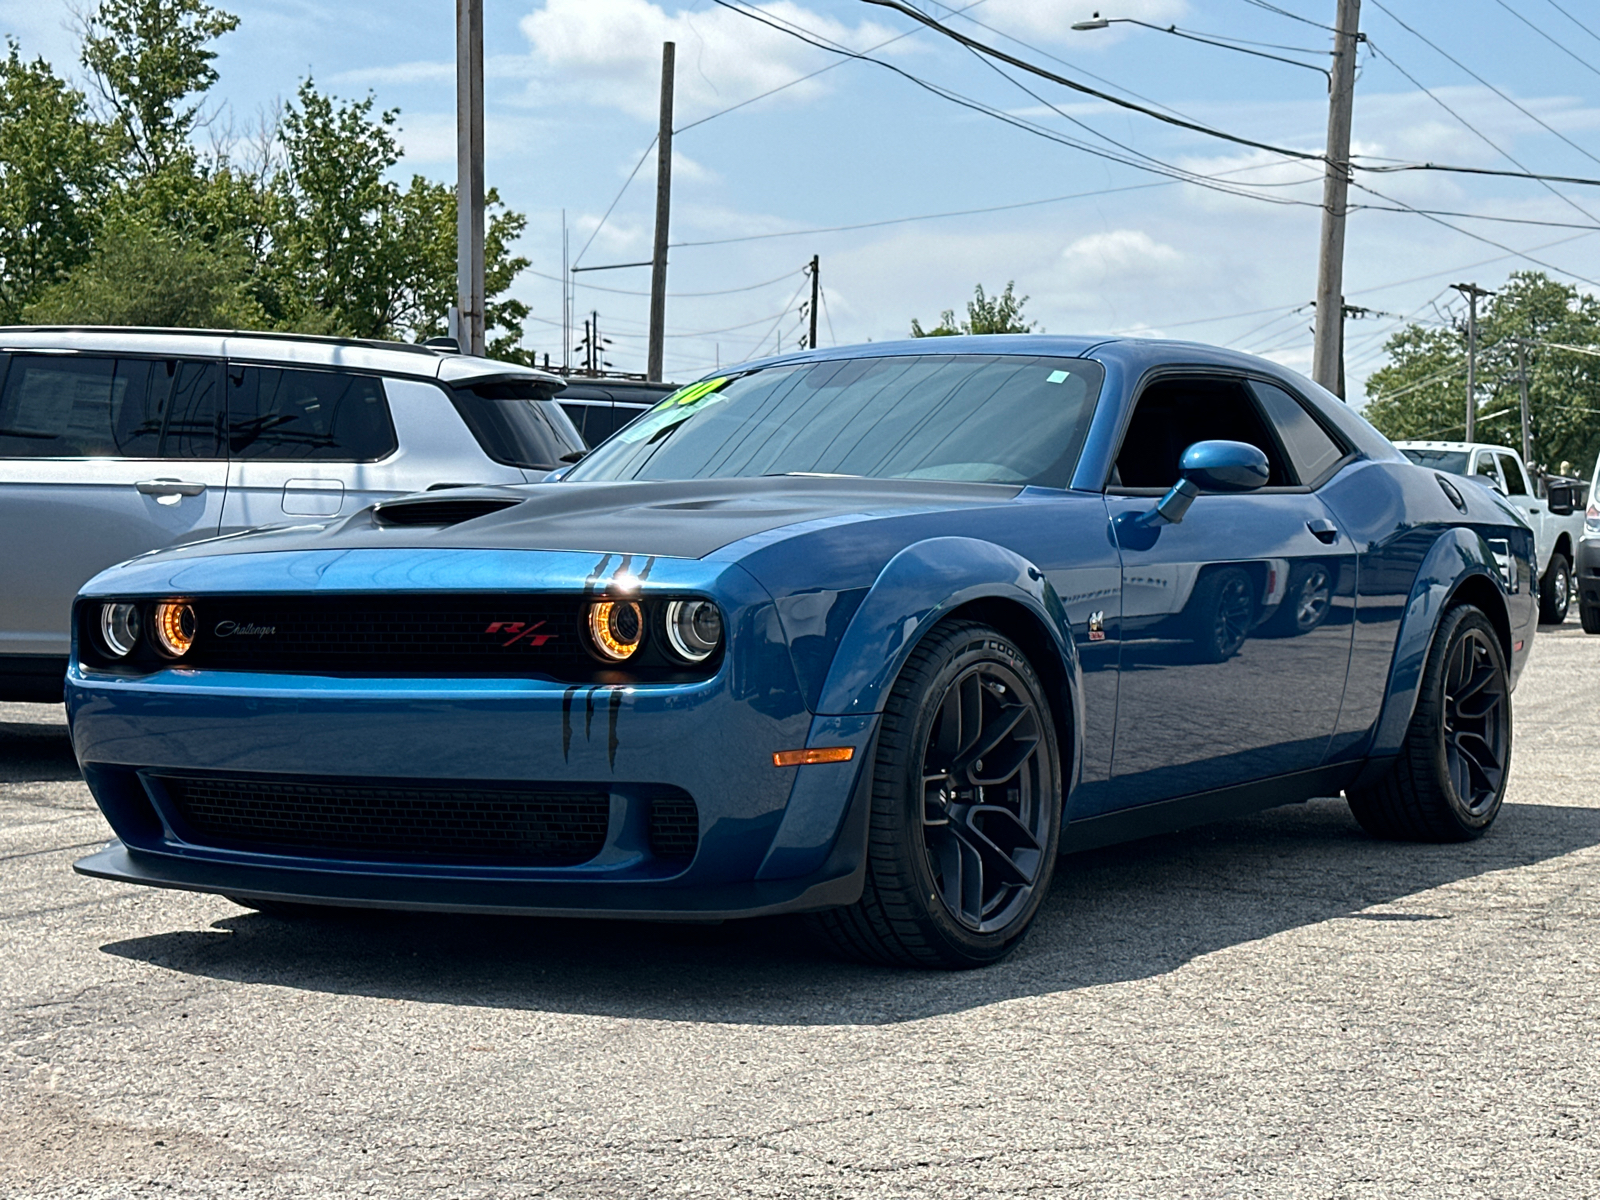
<point x="1122" y="913"/>
<point x="36" y="753"/>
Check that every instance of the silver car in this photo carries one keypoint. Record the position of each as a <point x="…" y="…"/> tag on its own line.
<point x="114" y="442"/>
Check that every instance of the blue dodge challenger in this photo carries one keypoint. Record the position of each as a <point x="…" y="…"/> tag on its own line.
<point x="874" y="634"/>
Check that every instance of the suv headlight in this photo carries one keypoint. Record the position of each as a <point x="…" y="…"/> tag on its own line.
<point x="1591" y="518"/>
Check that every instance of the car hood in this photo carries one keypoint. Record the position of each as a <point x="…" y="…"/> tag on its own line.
<point x="674" y="519"/>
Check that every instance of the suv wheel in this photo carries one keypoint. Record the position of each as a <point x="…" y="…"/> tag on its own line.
<point x="1449" y="780"/>
<point x="1555" y="591"/>
<point x="966" y="808"/>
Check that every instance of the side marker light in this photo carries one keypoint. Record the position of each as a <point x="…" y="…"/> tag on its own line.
<point x="822" y="754"/>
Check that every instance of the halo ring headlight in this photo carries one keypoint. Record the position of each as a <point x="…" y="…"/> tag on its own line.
<point x="694" y="629"/>
<point x="175" y="627"/>
<point x="119" y="628"/>
<point x="616" y="627"/>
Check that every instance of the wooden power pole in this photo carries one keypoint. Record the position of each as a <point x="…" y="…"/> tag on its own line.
<point x="816" y="288"/>
<point x="1328" y="352"/>
<point x="469" y="333"/>
<point x="1472" y="291"/>
<point x="658" y="262"/>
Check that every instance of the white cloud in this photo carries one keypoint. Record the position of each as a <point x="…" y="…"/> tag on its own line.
<point x="608" y="52"/>
<point x="1118" y="254"/>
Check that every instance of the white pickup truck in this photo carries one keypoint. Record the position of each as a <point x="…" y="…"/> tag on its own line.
<point x="1548" y="510"/>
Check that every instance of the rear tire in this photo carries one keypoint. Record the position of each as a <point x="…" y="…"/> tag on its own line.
<point x="1590" y="616"/>
<point x="1307" y="601"/>
<point x="1449" y="779"/>
<point x="959" y="854"/>
<point x="1555" y="591"/>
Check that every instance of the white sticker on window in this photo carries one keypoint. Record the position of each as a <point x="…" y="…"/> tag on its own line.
<point x="1057" y="377"/>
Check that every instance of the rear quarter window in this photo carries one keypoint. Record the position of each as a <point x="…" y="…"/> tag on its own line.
<point x="517" y="424"/>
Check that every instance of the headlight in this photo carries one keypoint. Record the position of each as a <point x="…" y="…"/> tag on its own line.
<point x="119" y="628"/>
<point x="616" y="628"/>
<point x="694" y="629"/>
<point x="1591" y="517"/>
<point x="175" y="625"/>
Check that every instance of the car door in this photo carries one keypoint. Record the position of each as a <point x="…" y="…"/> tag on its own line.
<point x="1236" y="621"/>
<point x="298" y="440"/>
<point x="1524" y="501"/>
<point x="1487" y="471"/>
<point x="101" y="458"/>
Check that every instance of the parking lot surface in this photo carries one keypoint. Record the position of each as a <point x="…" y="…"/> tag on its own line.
<point x="1277" y="1006"/>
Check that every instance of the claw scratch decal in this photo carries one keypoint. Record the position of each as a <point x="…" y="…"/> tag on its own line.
<point x="566" y="721"/>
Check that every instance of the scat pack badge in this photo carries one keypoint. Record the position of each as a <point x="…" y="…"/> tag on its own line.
<point x="1097" y="626"/>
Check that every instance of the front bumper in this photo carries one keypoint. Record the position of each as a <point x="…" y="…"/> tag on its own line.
<point x="769" y="839"/>
<point x="1588" y="572"/>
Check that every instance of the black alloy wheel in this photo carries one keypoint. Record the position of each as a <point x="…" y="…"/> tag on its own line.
<point x="1449" y="780"/>
<point x="966" y="809"/>
<point x="1476" y="729"/>
<point x="1555" y="591"/>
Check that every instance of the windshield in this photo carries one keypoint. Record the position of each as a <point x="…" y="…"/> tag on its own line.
<point x="987" y="418"/>
<point x="1453" y="462"/>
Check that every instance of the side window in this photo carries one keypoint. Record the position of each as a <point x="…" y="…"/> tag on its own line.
<point x="1486" y="472"/>
<point x="1515" y="484"/>
<point x="1174" y="414"/>
<point x="300" y="415"/>
<point x="79" y="406"/>
<point x="1310" y="448"/>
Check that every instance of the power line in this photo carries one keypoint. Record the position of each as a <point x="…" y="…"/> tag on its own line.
<point x="1583" y="62"/>
<point x="595" y="287"/>
<point x="1021" y="64"/>
<point x="1382" y="8"/>
<point x="596" y="230"/>
<point x="1199" y="180"/>
<point x="1284" y="12"/>
<point x="1574" y="20"/>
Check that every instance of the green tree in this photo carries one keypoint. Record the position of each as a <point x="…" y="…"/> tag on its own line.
<point x="985" y="314"/>
<point x="1421" y="392"/>
<point x="144" y="274"/>
<point x="52" y="171"/>
<point x="147" y="58"/>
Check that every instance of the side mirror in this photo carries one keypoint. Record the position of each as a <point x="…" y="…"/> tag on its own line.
<point x="1214" y="467"/>
<point x="1558" y="498"/>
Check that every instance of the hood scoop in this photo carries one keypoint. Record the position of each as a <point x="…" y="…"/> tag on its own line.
<point x="449" y="511"/>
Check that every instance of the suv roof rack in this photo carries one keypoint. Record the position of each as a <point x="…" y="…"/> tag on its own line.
<point x="270" y="335"/>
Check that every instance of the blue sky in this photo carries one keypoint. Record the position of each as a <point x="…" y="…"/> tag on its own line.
<point x="571" y="108"/>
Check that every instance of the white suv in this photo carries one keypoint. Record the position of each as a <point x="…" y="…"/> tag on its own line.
<point x="114" y="442"/>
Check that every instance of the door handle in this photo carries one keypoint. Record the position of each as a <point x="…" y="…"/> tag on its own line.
<point x="1324" y="530"/>
<point x="168" y="487"/>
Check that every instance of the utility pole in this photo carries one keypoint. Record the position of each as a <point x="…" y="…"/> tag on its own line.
<point x="469" y="176"/>
<point x="658" y="264"/>
<point x="1328" y="353"/>
<point x="1522" y="382"/>
<point x="1472" y="291"/>
<point x="816" y="287"/>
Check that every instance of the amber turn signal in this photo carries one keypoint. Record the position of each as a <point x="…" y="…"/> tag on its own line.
<point x="822" y="754"/>
<point x="174" y="627"/>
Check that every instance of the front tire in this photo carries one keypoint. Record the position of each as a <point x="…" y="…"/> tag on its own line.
<point x="1555" y="591"/>
<point x="966" y="808"/>
<point x="1449" y="780"/>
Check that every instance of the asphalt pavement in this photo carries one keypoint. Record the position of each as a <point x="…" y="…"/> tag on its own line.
<point x="1278" y="1006"/>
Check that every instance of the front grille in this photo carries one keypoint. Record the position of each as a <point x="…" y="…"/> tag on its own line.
<point x="674" y="828"/>
<point x="433" y="822"/>
<point x="433" y="634"/>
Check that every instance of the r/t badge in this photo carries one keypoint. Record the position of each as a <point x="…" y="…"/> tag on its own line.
<point x="1097" y="626"/>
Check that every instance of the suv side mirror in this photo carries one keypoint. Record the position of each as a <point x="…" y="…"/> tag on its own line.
<point x="1214" y="467"/>
<point x="1558" y="498"/>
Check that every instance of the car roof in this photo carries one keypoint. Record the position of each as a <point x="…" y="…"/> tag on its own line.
<point x="285" y="349"/>
<point x="1414" y="444"/>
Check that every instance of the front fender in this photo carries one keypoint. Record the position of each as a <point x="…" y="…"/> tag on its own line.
<point x="916" y="589"/>
<point x="1459" y="555"/>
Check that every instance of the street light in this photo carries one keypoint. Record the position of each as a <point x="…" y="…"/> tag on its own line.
<point x="1099" y="22"/>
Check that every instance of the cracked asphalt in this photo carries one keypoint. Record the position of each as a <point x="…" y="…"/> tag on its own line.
<point x="1278" y="1006"/>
